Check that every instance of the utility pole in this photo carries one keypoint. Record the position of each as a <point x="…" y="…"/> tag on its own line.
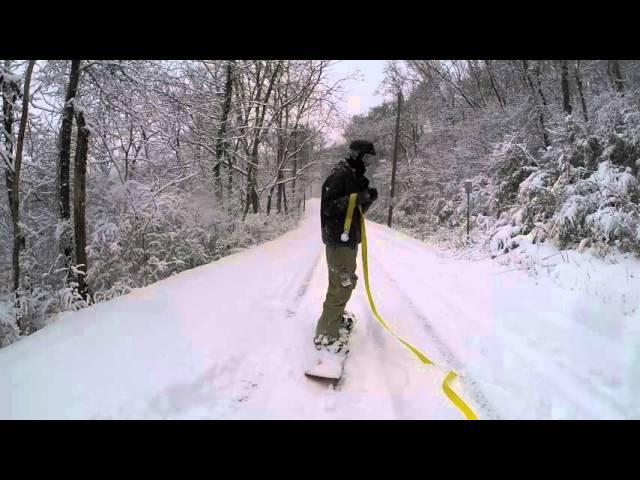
<point x="395" y="158"/>
<point x="467" y="188"/>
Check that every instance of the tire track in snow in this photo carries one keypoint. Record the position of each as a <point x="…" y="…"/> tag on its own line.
<point x="517" y="344"/>
<point x="475" y="392"/>
<point x="278" y="306"/>
<point x="304" y="286"/>
<point x="379" y="337"/>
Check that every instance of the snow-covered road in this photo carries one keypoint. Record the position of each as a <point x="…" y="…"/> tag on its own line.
<point x="228" y="341"/>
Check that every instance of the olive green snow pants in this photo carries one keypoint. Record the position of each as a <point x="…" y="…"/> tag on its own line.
<point x="342" y="281"/>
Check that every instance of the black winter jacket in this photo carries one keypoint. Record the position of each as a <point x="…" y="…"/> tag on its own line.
<point x="341" y="182"/>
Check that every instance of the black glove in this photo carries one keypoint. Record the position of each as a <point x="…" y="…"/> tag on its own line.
<point x="373" y="192"/>
<point x="364" y="197"/>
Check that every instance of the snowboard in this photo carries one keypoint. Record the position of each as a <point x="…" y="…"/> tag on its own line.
<point x="328" y="366"/>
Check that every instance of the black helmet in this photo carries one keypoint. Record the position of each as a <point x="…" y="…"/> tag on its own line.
<point x="362" y="146"/>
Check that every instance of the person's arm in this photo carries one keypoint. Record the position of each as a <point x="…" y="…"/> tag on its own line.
<point x="334" y="196"/>
<point x="367" y="198"/>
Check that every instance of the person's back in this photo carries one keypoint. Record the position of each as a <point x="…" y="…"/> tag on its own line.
<point x="334" y="201"/>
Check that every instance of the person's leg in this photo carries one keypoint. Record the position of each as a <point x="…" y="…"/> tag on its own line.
<point x="341" y="262"/>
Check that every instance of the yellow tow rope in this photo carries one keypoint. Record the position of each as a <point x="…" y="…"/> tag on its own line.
<point x="446" y="384"/>
<point x="347" y="221"/>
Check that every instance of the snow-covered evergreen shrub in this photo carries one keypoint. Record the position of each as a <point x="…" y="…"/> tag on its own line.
<point x="602" y="207"/>
<point x="512" y="165"/>
<point x="617" y="123"/>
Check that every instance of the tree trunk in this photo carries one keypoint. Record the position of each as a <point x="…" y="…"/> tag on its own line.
<point x="284" y="197"/>
<point x="13" y="181"/>
<point x="65" y="156"/>
<point x="545" y="137"/>
<point x="493" y="84"/>
<point x="566" y="94"/>
<point x="476" y="77"/>
<point x="252" y="191"/>
<point x="9" y="97"/>
<point x="145" y="141"/>
<point x="126" y="163"/>
<point x="221" y="142"/>
<point x="253" y="157"/>
<point x="230" y="179"/>
<point x="279" y="204"/>
<point x="295" y="163"/>
<point x="79" y="203"/>
<point x="580" y="92"/>
<point x="269" y="200"/>
<point x="280" y="155"/>
<point x="616" y="75"/>
<point x="539" y="81"/>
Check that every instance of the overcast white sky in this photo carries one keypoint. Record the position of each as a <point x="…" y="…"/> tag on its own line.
<point x="359" y="94"/>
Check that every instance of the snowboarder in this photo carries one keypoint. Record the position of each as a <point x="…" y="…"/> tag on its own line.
<point x="346" y="178"/>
